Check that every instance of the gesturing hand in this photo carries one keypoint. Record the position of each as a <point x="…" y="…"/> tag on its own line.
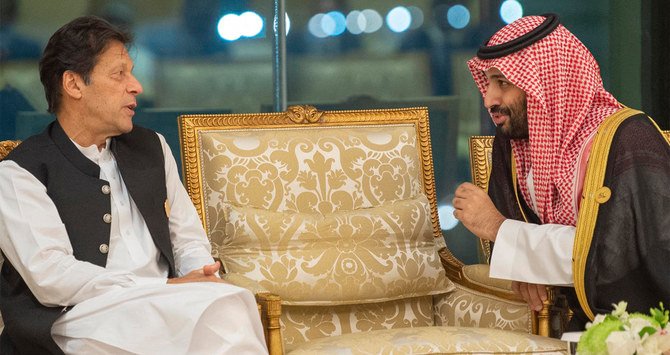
<point x="206" y="274"/>
<point x="533" y="294"/>
<point x="476" y="211"/>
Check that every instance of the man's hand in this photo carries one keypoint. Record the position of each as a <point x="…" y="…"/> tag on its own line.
<point x="206" y="274"/>
<point x="533" y="294"/>
<point x="476" y="211"/>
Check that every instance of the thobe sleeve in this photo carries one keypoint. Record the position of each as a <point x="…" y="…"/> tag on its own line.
<point x="190" y="244"/>
<point x="34" y="240"/>
<point x="540" y="254"/>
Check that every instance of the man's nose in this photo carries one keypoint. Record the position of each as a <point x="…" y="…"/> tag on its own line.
<point x="134" y="87"/>
<point x="492" y="97"/>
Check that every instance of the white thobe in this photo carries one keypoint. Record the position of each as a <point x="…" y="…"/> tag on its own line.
<point x="534" y="253"/>
<point x="539" y="254"/>
<point x="125" y="307"/>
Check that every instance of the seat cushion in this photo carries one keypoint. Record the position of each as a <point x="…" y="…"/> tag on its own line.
<point x="300" y="324"/>
<point x="434" y="340"/>
<point x="347" y="257"/>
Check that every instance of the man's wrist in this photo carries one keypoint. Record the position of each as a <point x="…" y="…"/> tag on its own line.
<point x="496" y="227"/>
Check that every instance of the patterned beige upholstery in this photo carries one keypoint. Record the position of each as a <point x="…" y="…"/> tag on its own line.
<point x="334" y="215"/>
<point x="434" y="340"/>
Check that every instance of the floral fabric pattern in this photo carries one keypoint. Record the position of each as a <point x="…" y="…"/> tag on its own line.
<point x="434" y="340"/>
<point x="367" y="255"/>
<point x="468" y="308"/>
<point x="301" y="324"/>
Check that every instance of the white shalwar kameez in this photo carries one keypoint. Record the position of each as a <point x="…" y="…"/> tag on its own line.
<point x="126" y="307"/>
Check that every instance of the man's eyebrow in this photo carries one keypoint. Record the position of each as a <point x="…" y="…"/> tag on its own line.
<point x="497" y="76"/>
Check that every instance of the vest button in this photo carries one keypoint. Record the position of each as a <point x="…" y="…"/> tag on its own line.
<point x="104" y="248"/>
<point x="603" y="194"/>
<point x="107" y="218"/>
<point x="105" y="189"/>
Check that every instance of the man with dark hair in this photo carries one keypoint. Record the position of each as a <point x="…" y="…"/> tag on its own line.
<point x="578" y="194"/>
<point x="104" y="251"/>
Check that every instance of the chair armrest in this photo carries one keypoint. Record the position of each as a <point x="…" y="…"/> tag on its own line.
<point x="244" y="282"/>
<point x="466" y="307"/>
<point x="476" y="277"/>
<point x="269" y="306"/>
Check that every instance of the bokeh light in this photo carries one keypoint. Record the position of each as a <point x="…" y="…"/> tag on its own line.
<point x="373" y="20"/>
<point x="399" y="19"/>
<point x="417" y="17"/>
<point x="355" y="22"/>
<point x="510" y="11"/>
<point x="446" y="216"/>
<point x="458" y="16"/>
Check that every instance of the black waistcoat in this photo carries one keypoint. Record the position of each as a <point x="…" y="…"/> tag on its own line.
<point x="73" y="184"/>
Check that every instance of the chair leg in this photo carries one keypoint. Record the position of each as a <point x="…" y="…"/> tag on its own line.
<point x="541" y="321"/>
<point x="270" y="312"/>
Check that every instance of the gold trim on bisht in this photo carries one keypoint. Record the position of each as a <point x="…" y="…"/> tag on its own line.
<point x="593" y="195"/>
<point x="516" y="189"/>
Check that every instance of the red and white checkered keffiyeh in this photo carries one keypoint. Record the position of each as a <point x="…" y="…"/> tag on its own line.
<point x="566" y="103"/>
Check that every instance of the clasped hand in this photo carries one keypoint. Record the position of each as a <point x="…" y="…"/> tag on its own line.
<point x="206" y="274"/>
<point x="474" y="208"/>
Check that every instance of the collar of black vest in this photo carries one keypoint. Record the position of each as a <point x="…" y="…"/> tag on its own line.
<point x="64" y="143"/>
<point x="500" y="50"/>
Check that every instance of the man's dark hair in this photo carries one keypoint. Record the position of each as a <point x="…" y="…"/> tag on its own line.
<point x="76" y="47"/>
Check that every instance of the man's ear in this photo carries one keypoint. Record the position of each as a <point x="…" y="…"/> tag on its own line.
<point x="72" y="84"/>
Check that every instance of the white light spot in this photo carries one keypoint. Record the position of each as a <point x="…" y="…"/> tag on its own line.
<point x="510" y="11"/>
<point x="355" y="22"/>
<point x="251" y="24"/>
<point x="399" y="19"/>
<point x="229" y="27"/>
<point x="446" y="216"/>
<point x="373" y="20"/>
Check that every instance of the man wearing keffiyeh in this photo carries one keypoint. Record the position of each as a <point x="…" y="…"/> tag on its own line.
<point x="579" y="191"/>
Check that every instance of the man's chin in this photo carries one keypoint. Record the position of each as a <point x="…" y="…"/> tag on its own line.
<point x="505" y="132"/>
<point x="126" y="128"/>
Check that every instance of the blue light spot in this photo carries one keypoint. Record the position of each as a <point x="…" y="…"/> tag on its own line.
<point x="339" y="21"/>
<point x="328" y="25"/>
<point x="458" y="16"/>
<point x="510" y="11"/>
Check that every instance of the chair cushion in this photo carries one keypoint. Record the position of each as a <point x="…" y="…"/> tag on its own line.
<point x="362" y="256"/>
<point x="431" y="340"/>
<point x="300" y="324"/>
<point x="478" y="274"/>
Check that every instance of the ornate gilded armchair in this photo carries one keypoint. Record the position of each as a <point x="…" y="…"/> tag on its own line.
<point x="330" y="218"/>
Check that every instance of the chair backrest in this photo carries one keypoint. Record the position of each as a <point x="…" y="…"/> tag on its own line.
<point x="6" y="147"/>
<point x="481" y="148"/>
<point x="334" y="211"/>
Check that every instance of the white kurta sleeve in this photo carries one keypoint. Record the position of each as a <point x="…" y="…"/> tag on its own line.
<point x="189" y="242"/>
<point x="35" y="241"/>
<point x="540" y="254"/>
